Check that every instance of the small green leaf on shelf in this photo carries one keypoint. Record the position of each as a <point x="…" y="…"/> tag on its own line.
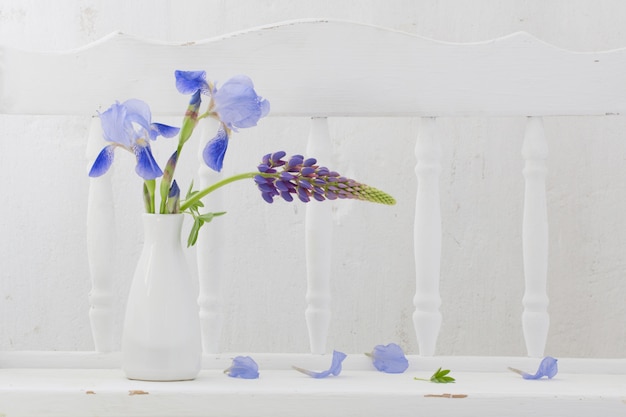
<point x="440" y="377"/>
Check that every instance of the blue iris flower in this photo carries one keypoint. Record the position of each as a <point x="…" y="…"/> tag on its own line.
<point x="548" y="367"/>
<point x="188" y="82"/>
<point x="335" y="367"/>
<point x="389" y="358"/>
<point x="243" y="367"/>
<point x="129" y="125"/>
<point x="236" y="105"/>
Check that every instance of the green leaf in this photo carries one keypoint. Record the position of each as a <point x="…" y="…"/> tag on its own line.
<point x="207" y="217"/>
<point x="193" y="208"/>
<point x="440" y="377"/>
<point x="190" y="190"/>
<point x="193" y="234"/>
<point x="198" y="221"/>
<point x="148" y="195"/>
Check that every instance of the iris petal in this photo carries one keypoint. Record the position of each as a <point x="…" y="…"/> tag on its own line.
<point x="335" y="367"/>
<point x="138" y="111"/>
<point x="159" y="129"/>
<point x="389" y="358"/>
<point x="115" y="128"/>
<point x="265" y="107"/>
<point x="188" y="82"/>
<point x="548" y="367"/>
<point x="243" y="367"/>
<point x="103" y="162"/>
<point x="195" y="101"/>
<point x="215" y="149"/>
<point x="238" y="105"/>
<point x="147" y="167"/>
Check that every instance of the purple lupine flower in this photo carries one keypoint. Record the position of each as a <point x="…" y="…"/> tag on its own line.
<point x="243" y="367"/>
<point x="304" y="179"/>
<point x="389" y="358"/>
<point x="548" y="367"/>
<point x="335" y="367"/>
<point x="235" y="104"/>
<point x="129" y="125"/>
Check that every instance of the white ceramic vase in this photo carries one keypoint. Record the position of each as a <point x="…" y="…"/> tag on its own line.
<point x="161" y="336"/>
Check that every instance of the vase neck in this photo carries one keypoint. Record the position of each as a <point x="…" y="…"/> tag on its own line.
<point x="162" y="227"/>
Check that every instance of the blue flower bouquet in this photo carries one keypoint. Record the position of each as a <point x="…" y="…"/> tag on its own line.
<point x="235" y="105"/>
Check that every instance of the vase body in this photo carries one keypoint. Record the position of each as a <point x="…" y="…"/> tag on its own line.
<point x="161" y="336"/>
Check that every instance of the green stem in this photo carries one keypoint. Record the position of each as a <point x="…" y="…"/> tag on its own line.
<point x="148" y="190"/>
<point x="190" y="121"/>
<point x="165" y="187"/>
<point x="199" y="195"/>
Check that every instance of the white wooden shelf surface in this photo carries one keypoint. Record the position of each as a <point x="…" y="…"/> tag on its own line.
<point x="59" y="386"/>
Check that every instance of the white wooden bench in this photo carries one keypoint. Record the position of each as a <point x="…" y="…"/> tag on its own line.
<point x="319" y="70"/>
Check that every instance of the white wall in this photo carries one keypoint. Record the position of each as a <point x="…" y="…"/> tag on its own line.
<point x="44" y="277"/>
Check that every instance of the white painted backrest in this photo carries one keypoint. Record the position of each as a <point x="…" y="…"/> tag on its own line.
<point x="321" y="69"/>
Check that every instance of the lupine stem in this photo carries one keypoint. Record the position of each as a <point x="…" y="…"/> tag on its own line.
<point x="202" y="193"/>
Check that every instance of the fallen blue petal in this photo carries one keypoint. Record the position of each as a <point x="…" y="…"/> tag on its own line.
<point x="215" y="150"/>
<point x="243" y="367"/>
<point x="389" y="358"/>
<point x="335" y="367"/>
<point x="548" y="367"/>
